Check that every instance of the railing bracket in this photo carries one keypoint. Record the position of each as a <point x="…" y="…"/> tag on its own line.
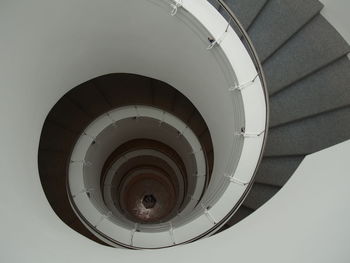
<point x="214" y="42"/>
<point x="132" y="233"/>
<point x="244" y="85"/>
<point x="208" y="214"/>
<point x="175" y="7"/>
<point x="83" y="191"/>
<point x="103" y="217"/>
<point x="197" y="151"/>
<point x="171" y="232"/>
<point x="236" y="181"/>
<point x="249" y="135"/>
<point x="182" y="132"/>
<point x="162" y="119"/>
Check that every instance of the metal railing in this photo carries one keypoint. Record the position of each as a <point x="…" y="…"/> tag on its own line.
<point x="233" y="21"/>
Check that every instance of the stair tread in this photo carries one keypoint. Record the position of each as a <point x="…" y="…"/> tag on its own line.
<point x="324" y="90"/>
<point x="241" y="213"/>
<point x="278" y="21"/>
<point x="314" y="46"/>
<point x="214" y="3"/>
<point x="56" y="138"/>
<point x="89" y="99"/>
<point x="246" y="10"/>
<point x="197" y="124"/>
<point x="69" y="115"/>
<point x="183" y="108"/>
<point x="162" y="96"/>
<point x="277" y="170"/>
<point x="125" y="89"/>
<point x="309" y="135"/>
<point x="52" y="170"/>
<point x="259" y="195"/>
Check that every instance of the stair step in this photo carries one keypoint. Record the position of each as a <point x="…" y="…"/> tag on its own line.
<point x="88" y="98"/>
<point x="309" y="135"/>
<point x="183" y="108"/>
<point x="325" y="90"/>
<point x="56" y="138"/>
<point x="197" y="124"/>
<point x="278" y="21"/>
<point x="69" y="115"/>
<point x="53" y="164"/>
<point x="214" y="3"/>
<point x="162" y="95"/>
<point x="314" y="46"/>
<point x="206" y="141"/>
<point x="125" y="89"/>
<point x="246" y="10"/>
<point x="78" y="226"/>
<point x="241" y="213"/>
<point x="259" y="195"/>
<point x="52" y="170"/>
<point x="277" y="170"/>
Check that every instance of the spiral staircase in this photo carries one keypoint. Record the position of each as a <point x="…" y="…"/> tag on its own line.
<point x="305" y="63"/>
<point x="306" y="68"/>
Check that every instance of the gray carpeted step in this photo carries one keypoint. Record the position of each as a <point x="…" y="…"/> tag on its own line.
<point x="277" y="170"/>
<point x="310" y="135"/>
<point x="314" y="46"/>
<point x="278" y="21"/>
<point x="324" y="90"/>
<point x="246" y="10"/>
<point x="259" y="194"/>
<point x="241" y="213"/>
<point x="307" y="77"/>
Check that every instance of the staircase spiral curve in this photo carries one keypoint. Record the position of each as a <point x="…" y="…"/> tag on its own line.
<point x="304" y="64"/>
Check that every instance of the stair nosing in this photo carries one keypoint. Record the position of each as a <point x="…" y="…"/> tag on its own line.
<point x="309" y="116"/>
<point x="309" y="74"/>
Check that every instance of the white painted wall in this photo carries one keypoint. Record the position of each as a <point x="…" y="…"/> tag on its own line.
<point x="337" y="13"/>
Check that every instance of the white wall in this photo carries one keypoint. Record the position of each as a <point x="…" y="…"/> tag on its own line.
<point x="337" y="13"/>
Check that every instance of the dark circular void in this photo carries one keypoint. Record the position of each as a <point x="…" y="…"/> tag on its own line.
<point x="149" y="201"/>
<point x="148" y="191"/>
<point x="148" y="198"/>
<point x="146" y="188"/>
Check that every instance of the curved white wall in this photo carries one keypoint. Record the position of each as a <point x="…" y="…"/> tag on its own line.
<point x="337" y="13"/>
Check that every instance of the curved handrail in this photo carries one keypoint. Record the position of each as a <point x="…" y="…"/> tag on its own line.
<point x="255" y="58"/>
<point x="250" y="47"/>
